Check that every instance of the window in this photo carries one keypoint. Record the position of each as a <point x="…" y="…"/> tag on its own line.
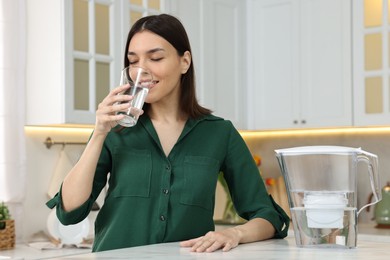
<point x="373" y="55"/>
<point x="141" y="8"/>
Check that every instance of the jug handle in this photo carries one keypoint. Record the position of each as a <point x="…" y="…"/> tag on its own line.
<point x="369" y="204"/>
<point x="372" y="162"/>
<point x="369" y="201"/>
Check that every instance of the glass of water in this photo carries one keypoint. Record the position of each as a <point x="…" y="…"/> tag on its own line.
<point x="140" y="81"/>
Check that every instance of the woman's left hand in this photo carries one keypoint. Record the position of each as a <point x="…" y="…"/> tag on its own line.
<point x="212" y="241"/>
<point x="254" y="230"/>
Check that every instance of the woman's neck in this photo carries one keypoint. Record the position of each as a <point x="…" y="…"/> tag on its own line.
<point x="166" y="112"/>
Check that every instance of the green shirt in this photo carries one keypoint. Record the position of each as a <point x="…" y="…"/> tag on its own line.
<point x="153" y="198"/>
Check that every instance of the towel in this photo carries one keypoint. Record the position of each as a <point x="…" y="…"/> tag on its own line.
<point x="42" y="241"/>
<point x="63" y="166"/>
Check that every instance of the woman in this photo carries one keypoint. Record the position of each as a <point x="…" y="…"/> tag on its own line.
<point x="162" y="173"/>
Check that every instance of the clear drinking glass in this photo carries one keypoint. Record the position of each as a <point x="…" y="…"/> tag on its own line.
<point x="140" y="81"/>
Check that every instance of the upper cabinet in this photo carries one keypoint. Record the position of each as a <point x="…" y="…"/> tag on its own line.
<point x="263" y="64"/>
<point x="72" y="59"/>
<point x="217" y="32"/>
<point x="271" y="64"/>
<point x="371" y="62"/>
<point x="299" y="55"/>
<point x="224" y="81"/>
<point x="93" y="60"/>
<point x="75" y="54"/>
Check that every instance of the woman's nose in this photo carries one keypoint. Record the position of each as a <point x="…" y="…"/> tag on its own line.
<point x="139" y="74"/>
<point x="143" y="64"/>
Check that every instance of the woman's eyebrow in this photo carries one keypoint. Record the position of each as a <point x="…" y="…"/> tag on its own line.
<point x="148" y="52"/>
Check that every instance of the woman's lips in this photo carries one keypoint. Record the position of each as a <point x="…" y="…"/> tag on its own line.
<point x="153" y="84"/>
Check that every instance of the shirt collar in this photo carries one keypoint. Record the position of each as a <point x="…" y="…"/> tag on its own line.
<point x="190" y="124"/>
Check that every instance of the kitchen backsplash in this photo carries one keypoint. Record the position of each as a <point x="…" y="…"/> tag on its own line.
<point x="42" y="163"/>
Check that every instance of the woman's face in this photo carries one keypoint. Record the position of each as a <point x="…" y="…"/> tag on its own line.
<point x="154" y="53"/>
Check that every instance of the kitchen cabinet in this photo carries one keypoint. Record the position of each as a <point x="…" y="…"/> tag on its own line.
<point x="260" y="63"/>
<point x="70" y="64"/>
<point x="272" y="64"/>
<point x="299" y="63"/>
<point x="75" y="55"/>
<point x="371" y="62"/>
<point x="217" y="32"/>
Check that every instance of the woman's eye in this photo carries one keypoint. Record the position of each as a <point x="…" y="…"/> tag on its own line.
<point x="132" y="62"/>
<point x="156" y="59"/>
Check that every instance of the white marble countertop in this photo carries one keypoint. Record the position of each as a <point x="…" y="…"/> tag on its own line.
<point x="25" y="252"/>
<point x="270" y="249"/>
<point x="372" y="243"/>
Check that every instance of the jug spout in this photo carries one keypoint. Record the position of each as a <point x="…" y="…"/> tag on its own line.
<point x="321" y="184"/>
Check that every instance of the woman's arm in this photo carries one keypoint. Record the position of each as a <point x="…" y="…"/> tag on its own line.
<point x="77" y="185"/>
<point x="254" y="230"/>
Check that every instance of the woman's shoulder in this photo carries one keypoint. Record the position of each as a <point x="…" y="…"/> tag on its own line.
<point x="212" y="117"/>
<point x="217" y="121"/>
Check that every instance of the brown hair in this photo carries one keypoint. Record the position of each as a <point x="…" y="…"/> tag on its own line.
<point x="172" y="30"/>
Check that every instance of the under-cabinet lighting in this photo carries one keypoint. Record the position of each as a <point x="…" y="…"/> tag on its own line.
<point x="74" y="129"/>
<point x="321" y="131"/>
<point x="87" y="129"/>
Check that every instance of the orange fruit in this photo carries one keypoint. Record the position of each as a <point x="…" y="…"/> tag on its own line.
<point x="270" y="181"/>
<point x="257" y="159"/>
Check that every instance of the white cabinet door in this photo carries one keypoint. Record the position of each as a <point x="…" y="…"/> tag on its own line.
<point x="300" y="60"/>
<point x="217" y="31"/>
<point x="45" y="91"/>
<point x="224" y="83"/>
<point x="326" y="63"/>
<point x="273" y="60"/>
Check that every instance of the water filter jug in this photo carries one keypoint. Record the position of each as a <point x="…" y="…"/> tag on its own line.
<point x="321" y="183"/>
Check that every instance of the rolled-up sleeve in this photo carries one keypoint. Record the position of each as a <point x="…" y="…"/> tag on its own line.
<point x="69" y="217"/>
<point x="247" y="189"/>
<point x="80" y="213"/>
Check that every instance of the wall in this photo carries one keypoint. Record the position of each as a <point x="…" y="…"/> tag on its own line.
<point x="42" y="163"/>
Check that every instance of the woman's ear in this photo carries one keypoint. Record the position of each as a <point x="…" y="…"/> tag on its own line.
<point x="185" y="62"/>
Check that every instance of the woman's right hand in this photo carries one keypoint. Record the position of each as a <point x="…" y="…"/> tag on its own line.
<point x="106" y="114"/>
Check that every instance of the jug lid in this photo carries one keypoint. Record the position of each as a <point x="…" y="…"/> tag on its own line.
<point x="319" y="149"/>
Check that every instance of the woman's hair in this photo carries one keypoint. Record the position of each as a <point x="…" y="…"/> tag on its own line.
<point x="172" y="30"/>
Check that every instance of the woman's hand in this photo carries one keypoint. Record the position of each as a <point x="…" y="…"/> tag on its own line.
<point x="212" y="241"/>
<point x="254" y="230"/>
<point x="106" y="117"/>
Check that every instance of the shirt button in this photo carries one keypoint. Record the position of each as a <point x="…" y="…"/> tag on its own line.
<point x="168" y="167"/>
<point x="165" y="191"/>
<point x="162" y="218"/>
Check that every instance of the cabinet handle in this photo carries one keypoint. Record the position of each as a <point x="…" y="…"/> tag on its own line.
<point x="303" y="121"/>
<point x="295" y="122"/>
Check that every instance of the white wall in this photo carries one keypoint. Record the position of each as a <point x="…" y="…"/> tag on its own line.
<point x="41" y="164"/>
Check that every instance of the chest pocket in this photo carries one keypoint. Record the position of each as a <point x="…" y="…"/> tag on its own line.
<point x="132" y="172"/>
<point x="200" y="180"/>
